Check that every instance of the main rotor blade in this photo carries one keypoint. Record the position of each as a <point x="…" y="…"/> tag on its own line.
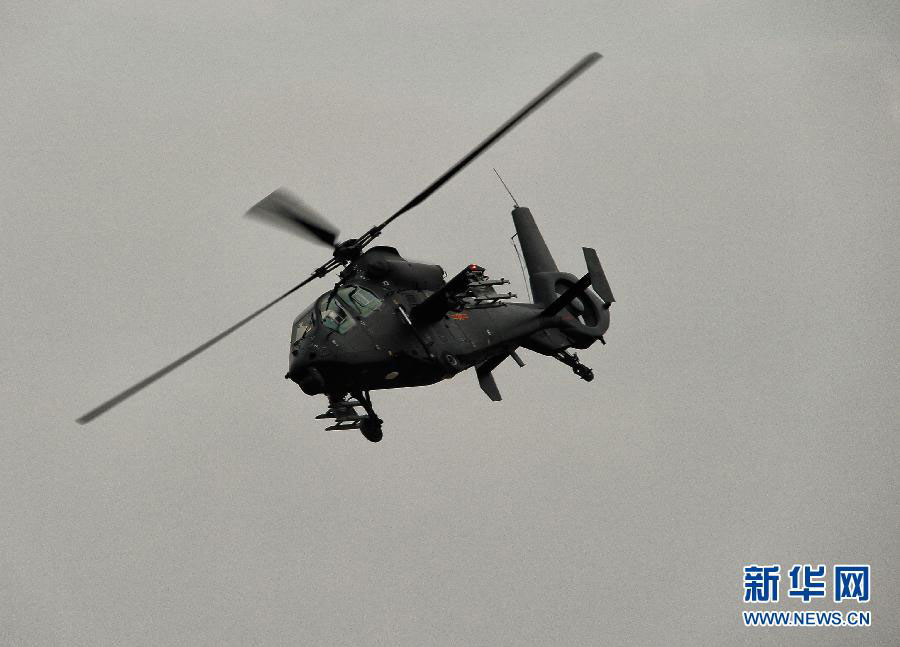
<point x="535" y="103"/>
<point x="147" y="381"/>
<point x="283" y="209"/>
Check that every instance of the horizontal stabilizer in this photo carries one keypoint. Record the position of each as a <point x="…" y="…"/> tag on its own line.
<point x="598" y="277"/>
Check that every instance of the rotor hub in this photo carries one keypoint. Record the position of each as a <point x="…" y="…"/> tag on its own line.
<point x="348" y="251"/>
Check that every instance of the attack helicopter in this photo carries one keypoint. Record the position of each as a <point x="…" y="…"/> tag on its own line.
<point x="392" y="323"/>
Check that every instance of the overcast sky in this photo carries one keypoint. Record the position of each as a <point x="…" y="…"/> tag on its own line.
<point x="735" y="165"/>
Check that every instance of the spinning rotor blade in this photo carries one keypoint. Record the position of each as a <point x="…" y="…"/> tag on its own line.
<point x="150" y="379"/>
<point x="530" y="107"/>
<point x="283" y="209"/>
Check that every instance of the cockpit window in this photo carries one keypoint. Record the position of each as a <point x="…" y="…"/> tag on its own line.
<point x="338" y="313"/>
<point x="364" y="301"/>
<point x="302" y="325"/>
<point x="334" y="315"/>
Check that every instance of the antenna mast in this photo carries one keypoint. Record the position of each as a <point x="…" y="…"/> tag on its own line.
<point x="507" y="189"/>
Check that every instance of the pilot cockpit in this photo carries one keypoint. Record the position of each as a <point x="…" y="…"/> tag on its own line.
<point x="338" y="311"/>
<point x="334" y="313"/>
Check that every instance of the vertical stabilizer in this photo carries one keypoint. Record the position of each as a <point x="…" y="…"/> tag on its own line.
<point x="538" y="259"/>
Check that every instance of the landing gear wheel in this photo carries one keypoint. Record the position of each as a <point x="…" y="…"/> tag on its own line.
<point x="371" y="429"/>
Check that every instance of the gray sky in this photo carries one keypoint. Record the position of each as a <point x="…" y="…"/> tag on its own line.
<point x="736" y="166"/>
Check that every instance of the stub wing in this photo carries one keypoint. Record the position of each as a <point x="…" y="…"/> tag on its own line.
<point x="471" y="288"/>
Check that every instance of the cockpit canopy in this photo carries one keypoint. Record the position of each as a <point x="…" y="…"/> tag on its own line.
<point x="338" y="312"/>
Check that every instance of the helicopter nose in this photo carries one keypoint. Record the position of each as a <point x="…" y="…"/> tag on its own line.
<point x="307" y="377"/>
<point x="312" y="383"/>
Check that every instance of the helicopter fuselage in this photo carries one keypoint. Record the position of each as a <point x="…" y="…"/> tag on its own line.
<point x="362" y="335"/>
<point x="384" y="350"/>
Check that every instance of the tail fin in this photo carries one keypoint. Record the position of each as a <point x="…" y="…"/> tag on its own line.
<point x="585" y="314"/>
<point x="538" y="258"/>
